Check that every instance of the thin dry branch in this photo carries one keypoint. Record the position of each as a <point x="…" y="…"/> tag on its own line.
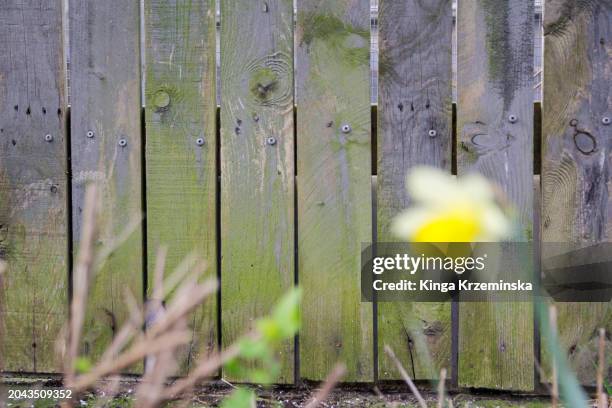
<point x="81" y="279"/>
<point x="543" y="377"/>
<point x="135" y="354"/>
<point x="158" y="277"/>
<point x="441" y="388"/>
<point x="338" y="372"/>
<point x="406" y="377"/>
<point x="552" y="313"/>
<point x="602" y="399"/>
<point x="205" y="368"/>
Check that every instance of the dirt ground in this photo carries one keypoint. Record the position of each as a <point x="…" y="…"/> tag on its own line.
<point x="395" y="395"/>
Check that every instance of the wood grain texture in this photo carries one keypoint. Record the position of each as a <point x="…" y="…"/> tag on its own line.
<point x="257" y="164"/>
<point x="105" y="113"/>
<point x="181" y="147"/>
<point x="415" y="100"/>
<point x="495" y="82"/>
<point x="334" y="185"/>
<point x="33" y="184"/>
<point x="577" y="156"/>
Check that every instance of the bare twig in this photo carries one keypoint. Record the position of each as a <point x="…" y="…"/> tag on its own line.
<point x="81" y="278"/>
<point x="543" y="377"/>
<point x="105" y="252"/>
<point x="158" y="277"/>
<point x="406" y="377"/>
<point x="602" y="399"/>
<point x="441" y="387"/>
<point x="187" y="299"/>
<point x="2" y="270"/>
<point x="552" y="312"/>
<point x="136" y="353"/>
<point x="330" y="382"/>
<point x="204" y="369"/>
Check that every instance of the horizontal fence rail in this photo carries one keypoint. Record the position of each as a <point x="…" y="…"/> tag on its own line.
<point x="281" y="182"/>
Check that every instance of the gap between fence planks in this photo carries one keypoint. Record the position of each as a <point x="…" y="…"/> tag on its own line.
<point x="576" y="158"/>
<point x="106" y="150"/>
<point x="181" y="149"/>
<point x="415" y="115"/>
<point x="495" y="138"/>
<point x="33" y="184"/>
<point x="257" y="165"/>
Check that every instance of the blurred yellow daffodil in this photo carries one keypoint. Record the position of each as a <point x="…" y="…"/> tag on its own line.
<point x="448" y="209"/>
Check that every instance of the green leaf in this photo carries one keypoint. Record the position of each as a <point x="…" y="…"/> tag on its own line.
<point x="253" y="349"/>
<point x="286" y="314"/>
<point x="240" y="398"/>
<point x="82" y="365"/>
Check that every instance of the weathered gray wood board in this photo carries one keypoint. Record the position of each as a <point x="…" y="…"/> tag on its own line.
<point x="33" y="184"/>
<point x="495" y="138"/>
<point x="181" y="147"/>
<point x="334" y="185"/>
<point x="257" y="164"/>
<point x="576" y="156"/>
<point x="106" y="150"/>
<point x="414" y="128"/>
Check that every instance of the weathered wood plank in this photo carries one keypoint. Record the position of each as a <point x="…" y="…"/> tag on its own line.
<point x="33" y="183"/>
<point x="576" y="156"/>
<point x="181" y="146"/>
<point x="257" y="164"/>
<point x="415" y="128"/>
<point x="334" y="185"/>
<point x="106" y="149"/>
<point x="495" y="138"/>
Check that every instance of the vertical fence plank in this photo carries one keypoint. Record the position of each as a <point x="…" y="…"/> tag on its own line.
<point x="106" y="150"/>
<point x="577" y="169"/>
<point x="334" y="185"/>
<point x="181" y="146"/>
<point x="257" y="164"/>
<point x="33" y="183"/>
<point x="494" y="81"/>
<point x="415" y="100"/>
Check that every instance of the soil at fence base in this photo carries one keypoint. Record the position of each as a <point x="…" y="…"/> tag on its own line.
<point x="345" y="396"/>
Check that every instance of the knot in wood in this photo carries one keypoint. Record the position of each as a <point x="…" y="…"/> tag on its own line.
<point x="161" y="99"/>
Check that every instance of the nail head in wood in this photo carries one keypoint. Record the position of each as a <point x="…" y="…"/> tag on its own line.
<point x="90" y="134"/>
<point x="48" y="137"/>
<point x="512" y="119"/>
<point x="271" y="141"/>
<point x="200" y="141"/>
<point x="122" y="142"/>
<point x="346" y="128"/>
<point x="605" y="120"/>
<point x="432" y="133"/>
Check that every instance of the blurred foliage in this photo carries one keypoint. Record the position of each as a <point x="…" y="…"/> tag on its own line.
<point x="256" y="360"/>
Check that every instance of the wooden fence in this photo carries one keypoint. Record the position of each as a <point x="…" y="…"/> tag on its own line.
<point x="276" y="187"/>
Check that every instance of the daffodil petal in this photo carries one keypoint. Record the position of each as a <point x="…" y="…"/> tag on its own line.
<point x="476" y="186"/>
<point x="496" y="225"/>
<point x="429" y="185"/>
<point x="409" y="221"/>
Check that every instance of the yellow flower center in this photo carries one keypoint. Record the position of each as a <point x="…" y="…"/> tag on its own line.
<point x="457" y="225"/>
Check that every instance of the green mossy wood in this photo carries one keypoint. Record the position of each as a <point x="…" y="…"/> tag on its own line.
<point x="257" y="165"/>
<point x="495" y="137"/>
<point x="415" y="100"/>
<point x="334" y="185"/>
<point x="181" y="149"/>
<point x="106" y="151"/>
<point x="33" y="184"/>
<point x="576" y="157"/>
